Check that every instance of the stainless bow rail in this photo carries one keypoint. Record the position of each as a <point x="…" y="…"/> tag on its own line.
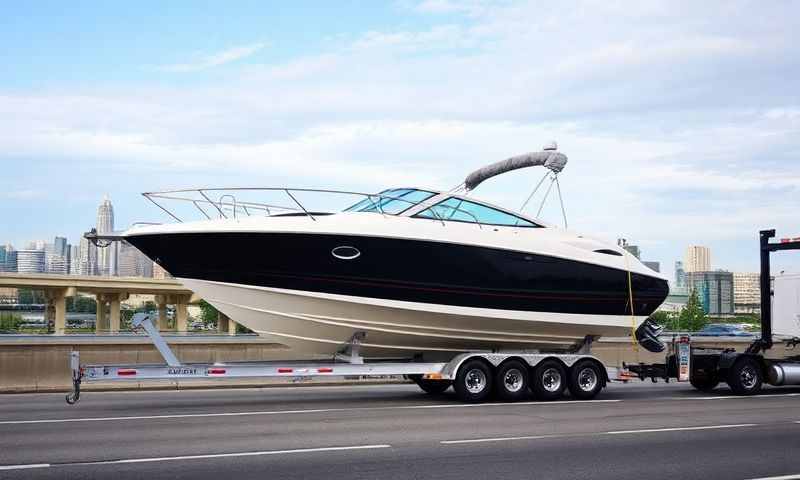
<point x="228" y="206"/>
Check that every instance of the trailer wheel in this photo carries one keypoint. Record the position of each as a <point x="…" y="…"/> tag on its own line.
<point x="745" y="377"/>
<point x="585" y="380"/>
<point x="705" y="384"/>
<point x="473" y="382"/>
<point x="548" y="380"/>
<point x="511" y="383"/>
<point x="434" y="387"/>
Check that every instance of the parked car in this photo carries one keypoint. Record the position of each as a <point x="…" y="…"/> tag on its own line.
<point x="723" y="330"/>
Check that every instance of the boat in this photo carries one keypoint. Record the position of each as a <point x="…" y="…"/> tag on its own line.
<point x="404" y="272"/>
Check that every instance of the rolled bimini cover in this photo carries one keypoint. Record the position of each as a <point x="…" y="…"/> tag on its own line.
<point x="548" y="158"/>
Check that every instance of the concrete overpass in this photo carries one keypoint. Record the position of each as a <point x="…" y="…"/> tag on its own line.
<point x="110" y="292"/>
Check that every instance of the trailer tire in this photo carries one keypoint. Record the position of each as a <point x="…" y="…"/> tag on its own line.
<point x="585" y="380"/>
<point x="511" y="384"/>
<point x="473" y="382"/>
<point x="548" y="380"/>
<point x="706" y="384"/>
<point x="433" y="387"/>
<point x="745" y="377"/>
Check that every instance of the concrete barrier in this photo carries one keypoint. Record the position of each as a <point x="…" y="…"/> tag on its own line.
<point x="30" y="363"/>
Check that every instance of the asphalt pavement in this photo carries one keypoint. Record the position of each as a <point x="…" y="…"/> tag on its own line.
<point x="640" y="430"/>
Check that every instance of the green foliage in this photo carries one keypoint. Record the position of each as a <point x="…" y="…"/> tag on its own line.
<point x="30" y="297"/>
<point x="691" y="318"/>
<point x="208" y="314"/>
<point x="148" y="306"/>
<point x="9" y="321"/>
<point x="81" y="304"/>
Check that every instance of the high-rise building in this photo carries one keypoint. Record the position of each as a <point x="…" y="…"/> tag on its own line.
<point x="159" y="273"/>
<point x="87" y="263"/>
<point x="55" y="257"/>
<point x="714" y="289"/>
<point x="698" y="259"/>
<point x="133" y="263"/>
<point x="74" y="260"/>
<point x="106" y="256"/>
<point x="30" y="261"/>
<point x="60" y="246"/>
<point x="747" y="292"/>
<point x="3" y="257"/>
<point x="11" y="259"/>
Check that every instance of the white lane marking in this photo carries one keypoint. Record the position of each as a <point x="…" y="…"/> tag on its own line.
<point x="198" y="457"/>
<point x="24" y="467"/>
<point x="736" y="397"/>
<point x="239" y="454"/>
<point x="593" y="434"/>
<point x="681" y="429"/>
<point x="783" y="477"/>
<point x="296" y="412"/>
<point x="496" y="439"/>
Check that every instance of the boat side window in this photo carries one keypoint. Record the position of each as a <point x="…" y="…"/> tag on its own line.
<point x="460" y="210"/>
<point x="394" y="201"/>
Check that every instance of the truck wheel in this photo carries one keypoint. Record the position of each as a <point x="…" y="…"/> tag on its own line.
<point x="473" y="382"/>
<point x="745" y="377"/>
<point x="511" y="384"/>
<point x="548" y="380"/>
<point x="704" y="384"/>
<point x="434" y="387"/>
<point x="585" y="380"/>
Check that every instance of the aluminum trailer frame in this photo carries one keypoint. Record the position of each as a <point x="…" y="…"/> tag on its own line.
<point x="432" y="377"/>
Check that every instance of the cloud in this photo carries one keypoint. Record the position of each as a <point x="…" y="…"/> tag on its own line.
<point x="680" y="118"/>
<point x="213" y="60"/>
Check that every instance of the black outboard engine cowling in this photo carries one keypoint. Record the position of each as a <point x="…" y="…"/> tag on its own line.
<point x="647" y="336"/>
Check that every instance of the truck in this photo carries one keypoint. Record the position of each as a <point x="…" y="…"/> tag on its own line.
<point x="748" y="371"/>
<point x="510" y="375"/>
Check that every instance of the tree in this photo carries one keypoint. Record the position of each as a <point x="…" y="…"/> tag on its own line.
<point x="692" y="316"/>
<point x="208" y="314"/>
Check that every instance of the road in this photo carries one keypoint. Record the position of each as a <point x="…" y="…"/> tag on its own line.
<point x="639" y="430"/>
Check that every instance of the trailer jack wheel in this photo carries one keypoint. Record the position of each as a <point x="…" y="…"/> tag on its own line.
<point x="745" y="377"/>
<point x="75" y="395"/>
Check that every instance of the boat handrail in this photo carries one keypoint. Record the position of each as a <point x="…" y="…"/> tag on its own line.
<point x="227" y="201"/>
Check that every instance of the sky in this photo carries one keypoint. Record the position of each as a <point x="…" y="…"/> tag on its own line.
<point x="681" y="120"/>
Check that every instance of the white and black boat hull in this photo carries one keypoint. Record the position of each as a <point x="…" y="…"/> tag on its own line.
<point x="314" y="290"/>
<point x="320" y="323"/>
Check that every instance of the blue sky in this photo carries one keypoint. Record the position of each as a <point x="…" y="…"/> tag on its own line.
<point x="681" y="121"/>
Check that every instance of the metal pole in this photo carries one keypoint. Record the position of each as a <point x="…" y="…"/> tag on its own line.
<point x="561" y="201"/>
<point x="525" y="203"/>
<point x="766" y="291"/>
<point x="544" y="199"/>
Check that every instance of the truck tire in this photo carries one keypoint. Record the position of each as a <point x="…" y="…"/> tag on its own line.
<point x="585" y="380"/>
<point x="473" y="382"/>
<point x="511" y="383"/>
<point x="548" y="380"/>
<point x="704" y="384"/>
<point x="434" y="387"/>
<point x="745" y="377"/>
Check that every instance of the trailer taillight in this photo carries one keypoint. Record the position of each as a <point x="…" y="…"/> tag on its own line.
<point x="126" y="372"/>
<point x="216" y="371"/>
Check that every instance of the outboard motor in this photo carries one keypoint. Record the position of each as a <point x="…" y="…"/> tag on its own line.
<point x="647" y="336"/>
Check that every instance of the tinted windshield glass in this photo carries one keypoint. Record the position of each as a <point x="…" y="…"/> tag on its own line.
<point x="392" y="201"/>
<point x="459" y="210"/>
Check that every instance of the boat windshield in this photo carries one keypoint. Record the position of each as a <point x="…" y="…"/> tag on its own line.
<point x="459" y="210"/>
<point x="393" y="201"/>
